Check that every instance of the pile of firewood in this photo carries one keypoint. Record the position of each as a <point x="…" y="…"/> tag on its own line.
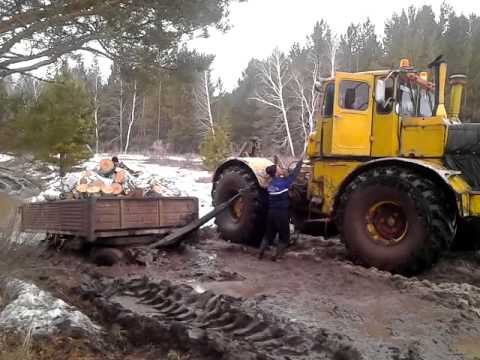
<point x="106" y="180"/>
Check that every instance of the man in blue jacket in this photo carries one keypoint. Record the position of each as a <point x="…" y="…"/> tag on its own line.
<point x="278" y="219"/>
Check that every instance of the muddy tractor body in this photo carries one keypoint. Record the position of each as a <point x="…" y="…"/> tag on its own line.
<point x="394" y="171"/>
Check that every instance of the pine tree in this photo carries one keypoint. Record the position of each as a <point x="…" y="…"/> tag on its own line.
<point x="58" y="128"/>
<point x="216" y="148"/>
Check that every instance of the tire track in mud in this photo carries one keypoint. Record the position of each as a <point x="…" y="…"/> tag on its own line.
<point x="216" y="326"/>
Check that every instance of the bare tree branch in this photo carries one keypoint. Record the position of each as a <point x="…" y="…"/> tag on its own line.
<point x="274" y="76"/>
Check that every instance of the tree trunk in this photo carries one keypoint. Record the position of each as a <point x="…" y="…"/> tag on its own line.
<point x="62" y="164"/>
<point x="209" y="107"/>
<point x="121" y="114"/>
<point x="95" y="115"/>
<point x="159" y="109"/>
<point x="282" y="105"/>
<point x="132" y="118"/>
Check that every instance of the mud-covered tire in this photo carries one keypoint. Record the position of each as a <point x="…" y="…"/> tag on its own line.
<point x="250" y="226"/>
<point x="106" y="256"/>
<point x="429" y="221"/>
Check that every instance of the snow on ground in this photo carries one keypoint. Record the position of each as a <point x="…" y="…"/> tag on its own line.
<point x="182" y="158"/>
<point x="93" y="162"/>
<point x="186" y="182"/>
<point x="32" y="309"/>
<point x="177" y="180"/>
<point x="5" y="158"/>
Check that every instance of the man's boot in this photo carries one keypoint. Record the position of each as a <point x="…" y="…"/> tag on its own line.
<point x="276" y="253"/>
<point x="263" y="248"/>
<point x="281" y="250"/>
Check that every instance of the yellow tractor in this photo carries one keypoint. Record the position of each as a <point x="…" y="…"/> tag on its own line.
<point x="388" y="166"/>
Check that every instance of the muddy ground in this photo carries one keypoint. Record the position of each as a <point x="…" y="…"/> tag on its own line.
<point x="215" y="300"/>
<point x="316" y="295"/>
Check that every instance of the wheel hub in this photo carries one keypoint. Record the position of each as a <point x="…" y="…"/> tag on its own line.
<point x="387" y="223"/>
<point x="237" y="208"/>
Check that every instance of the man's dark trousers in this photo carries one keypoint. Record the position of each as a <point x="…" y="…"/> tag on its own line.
<point x="278" y="222"/>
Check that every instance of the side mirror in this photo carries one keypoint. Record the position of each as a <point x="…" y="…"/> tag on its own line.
<point x="380" y="92"/>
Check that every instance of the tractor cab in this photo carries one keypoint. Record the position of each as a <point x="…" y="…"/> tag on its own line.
<point x="386" y="113"/>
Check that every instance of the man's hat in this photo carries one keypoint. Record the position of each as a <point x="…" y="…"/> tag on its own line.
<point x="271" y="170"/>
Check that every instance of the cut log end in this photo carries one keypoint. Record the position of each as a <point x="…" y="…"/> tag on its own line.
<point x="82" y="188"/>
<point x="107" y="189"/>
<point x="93" y="189"/>
<point x="120" y="175"/>
<point x="116" y="189"/>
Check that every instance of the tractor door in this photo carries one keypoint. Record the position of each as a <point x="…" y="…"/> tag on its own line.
<point x="353" y="111"/>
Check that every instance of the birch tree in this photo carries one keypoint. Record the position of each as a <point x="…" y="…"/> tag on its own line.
<point x="120" y="113"/>
<point x="332" y="47"/>
<point x="132" y="116"/>
<point x="306" y="95"/>
<point x="274" y="77"/>
<point x="96" y="108"/>
<point x="203" y="105"/>
<point x="93" y="79"/>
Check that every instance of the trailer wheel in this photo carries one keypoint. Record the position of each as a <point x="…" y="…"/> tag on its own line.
<point x="106" y="256"/>
<point x="395" y="220"/>
<point x="244" y="221"/>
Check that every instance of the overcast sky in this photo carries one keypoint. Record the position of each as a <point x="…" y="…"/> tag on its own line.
<point x="261" y="25"/>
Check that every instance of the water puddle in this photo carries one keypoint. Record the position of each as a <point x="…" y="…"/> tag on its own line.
<point x="469" y="346"/>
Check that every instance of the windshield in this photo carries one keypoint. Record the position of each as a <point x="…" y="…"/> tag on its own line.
<point x="414" y="99"/>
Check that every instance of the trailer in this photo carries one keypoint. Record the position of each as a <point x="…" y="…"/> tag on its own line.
<point x="105" y="223"/>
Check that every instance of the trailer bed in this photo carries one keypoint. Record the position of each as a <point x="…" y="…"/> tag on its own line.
<point x="108" y="217"/>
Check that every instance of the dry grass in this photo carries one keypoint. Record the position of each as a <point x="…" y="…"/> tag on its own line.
<point x="18" y="253"/>
<point x="16" y="350"/>
<point x="23" y="347"/>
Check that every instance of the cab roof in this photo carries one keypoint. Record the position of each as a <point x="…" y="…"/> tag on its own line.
<point x="375" y="72"/>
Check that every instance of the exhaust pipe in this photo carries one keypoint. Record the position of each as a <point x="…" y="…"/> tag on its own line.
<point x="457" y="82"/>
<point x="440" y="70"/>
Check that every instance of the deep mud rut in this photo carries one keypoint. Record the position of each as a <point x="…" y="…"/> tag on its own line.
<point x="216" y="300"/>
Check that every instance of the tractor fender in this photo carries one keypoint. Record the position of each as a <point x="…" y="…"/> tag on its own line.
<point x="255" y="165"/>
<point x="451" y="181"/>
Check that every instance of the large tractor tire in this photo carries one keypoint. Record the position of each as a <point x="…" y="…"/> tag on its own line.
<point x="244" y="221"/>
<point x="396" y="220"/>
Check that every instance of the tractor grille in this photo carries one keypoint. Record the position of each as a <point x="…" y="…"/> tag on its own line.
<point x="463" y="151"/>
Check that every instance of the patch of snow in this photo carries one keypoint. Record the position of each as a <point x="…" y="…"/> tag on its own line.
<point x="185" y="180"/>
<point x="32" y="309"/>
<point x="183" y="158"/>
<point x="5" y="157"/>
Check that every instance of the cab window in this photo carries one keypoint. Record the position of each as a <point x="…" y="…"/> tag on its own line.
<point x="389" y="93"/>
<point x="328" y="100"/>
<point x="354" y="95"/>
